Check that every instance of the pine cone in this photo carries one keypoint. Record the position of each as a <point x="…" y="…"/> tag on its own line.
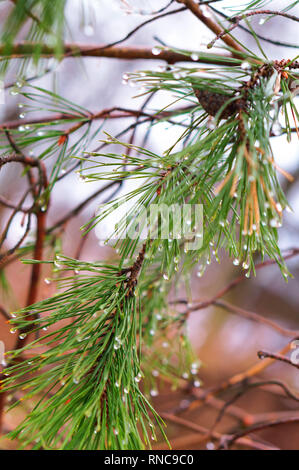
<point x="212" y="102"/>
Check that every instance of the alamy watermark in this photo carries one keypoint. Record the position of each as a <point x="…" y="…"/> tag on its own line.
<point x="157" y="221"/>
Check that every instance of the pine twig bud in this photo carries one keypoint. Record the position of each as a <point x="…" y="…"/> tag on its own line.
<point x="212" y="103"/>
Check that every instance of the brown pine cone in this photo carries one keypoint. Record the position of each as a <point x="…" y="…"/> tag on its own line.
<point x="212" y="102"/>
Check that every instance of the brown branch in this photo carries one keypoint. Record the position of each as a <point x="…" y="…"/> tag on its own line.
<point x="228" y="441"/>
<point x="290" y="253"/>
<point x="213" y="26"/>
<point x="255" y="317"/>
<point x="109" y="113"/>
<point x="277" y="357"/>
<point x="237" y="19"/>
<point x="215" y="435"/>
<point x="26" y="49"/>
<point x="76" y="210"/>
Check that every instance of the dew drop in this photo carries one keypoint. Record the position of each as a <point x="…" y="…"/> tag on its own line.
<point x="14" y="91"/>
<point x="276" y="129"/>
<point x="210" y="446"/>
<point x="245" y="65"/>
<point x="156" y="50"/>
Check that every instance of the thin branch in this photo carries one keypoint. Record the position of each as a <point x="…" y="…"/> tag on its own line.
<point x="277" y="357"/>
<point x="237" y="19"/>
<point x="259" y="36"/>
<point x="228" y="441"/>
<point x="210" y="23"/>
<point x="202" y="430"/>
<point x="22" y="49"/>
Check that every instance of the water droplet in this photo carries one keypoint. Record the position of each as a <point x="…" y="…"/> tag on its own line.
<point x="22" y="115"/>
<point x="13" y="330"/>
<point x="211" y="124"/>
<point x="22" y="335"/>
<point x="194" y="56"/>
<point x="156" y="50"/>
<point x="276" y="129"/>
<point x="21" y="128"/>
<point x="75" y="380"/>
<point x="245" y="65"/>
<point x="154" y="392"/>
<point x="279" y="207"/>
<point x="275" y="223"/>
<point x="236" y="262"/>
<point x="152" y="332"/>
<point x="47" y="280"/>
<point x="210" y="446"/>
<point x="196" y="383"/>
<point x="165" y="277"/>
<point x="262" y="21"/>
<point x="155" y="373"/>
<point x="14" y="91"/>
<point x="116" y="384"/>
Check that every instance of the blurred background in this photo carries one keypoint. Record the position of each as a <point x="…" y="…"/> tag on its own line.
<point x="225" y="344"/>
